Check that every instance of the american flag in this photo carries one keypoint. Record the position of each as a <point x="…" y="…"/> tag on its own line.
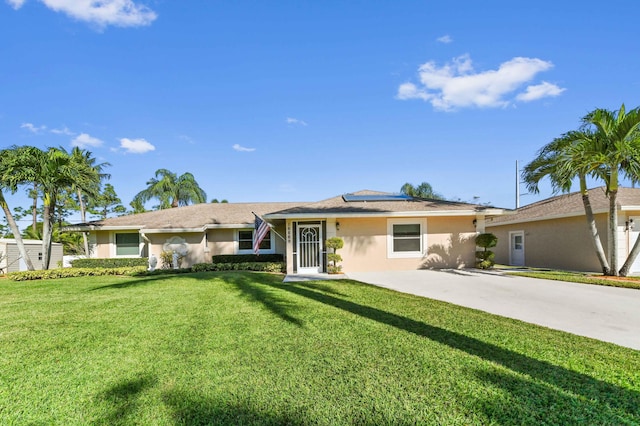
<point x="261" y="230"/>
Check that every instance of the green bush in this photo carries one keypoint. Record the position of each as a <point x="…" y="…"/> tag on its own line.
<point x="244" y="258"/>
<point x="110" y="263"/>
<point x="484" y="258"/>
<point x="243" y="266"/>
<point x="74" y="272"/>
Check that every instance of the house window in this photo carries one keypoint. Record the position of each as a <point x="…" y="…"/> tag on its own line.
<point x="127" y="244"/>
<point x="245" y="242"/>
<point x="405" y="237"/>
<point x="39" y="256"/>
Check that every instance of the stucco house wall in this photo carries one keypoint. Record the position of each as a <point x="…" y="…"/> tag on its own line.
<point x="449" y="243"/>
<point x="562" y="243"/>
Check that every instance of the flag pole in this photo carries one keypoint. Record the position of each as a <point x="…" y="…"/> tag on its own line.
<point x="271" y="229"/>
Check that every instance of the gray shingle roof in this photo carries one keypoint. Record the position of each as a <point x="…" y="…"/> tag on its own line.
<point x="339" y="206"/>
<point x="566" y="205"/>
<point x="200" y="216"/>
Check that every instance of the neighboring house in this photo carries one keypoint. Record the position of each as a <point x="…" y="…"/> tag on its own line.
<point x="381" y="231"/>
<point x="11" y="261"/>
<point x="554" y="233"/>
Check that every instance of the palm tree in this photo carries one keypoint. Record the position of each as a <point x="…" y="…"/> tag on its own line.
<point x="12" y="175"/>
<point x="424" y="190"/>
<point x="562" y="161"/>
<point x="83" y="159"/>
<point x="55" y="171"/>
<point x="606" y="147"/>
<point x="172" y="190"/>
<point x="618" y="134"/>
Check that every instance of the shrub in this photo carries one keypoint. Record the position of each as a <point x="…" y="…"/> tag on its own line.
<point x="110" y="263"/>
<point x="243" y="266"/>
<point x="74" y="272"/>
<point x="334" y="243"/>
<point x="485" y="258"/>
<point x="166" y="259"/>
<point x="243" y="258"/>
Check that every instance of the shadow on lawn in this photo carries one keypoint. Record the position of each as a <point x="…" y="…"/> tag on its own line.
<point x="586" y="393"/>
<point x="122" y="399"/>
<point x="190" y="409"/>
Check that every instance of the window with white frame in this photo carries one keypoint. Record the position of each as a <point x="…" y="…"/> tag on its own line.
<point x="405" y="237"/>
<point x="245" y="242"/>
<point x="127" y="244"/>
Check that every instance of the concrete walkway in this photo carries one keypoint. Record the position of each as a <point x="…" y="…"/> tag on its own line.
<point x="606" y="313"/>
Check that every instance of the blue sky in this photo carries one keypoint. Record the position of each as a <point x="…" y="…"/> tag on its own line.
<point x="301" y="100"/>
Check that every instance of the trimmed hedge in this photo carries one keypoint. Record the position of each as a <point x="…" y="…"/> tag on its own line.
<point x="50" y="274"/>
<point x="247" y="258"/>
<point x="110" y="263"/>
<point x="243" y="266"/>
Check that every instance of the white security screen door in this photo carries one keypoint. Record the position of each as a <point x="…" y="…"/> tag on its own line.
<point x="516" y="246"/>
<point x="309" y="249"/>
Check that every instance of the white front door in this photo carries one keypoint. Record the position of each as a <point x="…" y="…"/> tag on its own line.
<point x="309" y="249"/>
<point x="516" y="248"/>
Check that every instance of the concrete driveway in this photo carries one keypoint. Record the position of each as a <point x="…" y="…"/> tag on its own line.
<point x="606" y="313"/>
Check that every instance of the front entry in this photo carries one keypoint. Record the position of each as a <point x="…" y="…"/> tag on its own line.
<point x="516" y="248"/>
<point x="309" y="249"/>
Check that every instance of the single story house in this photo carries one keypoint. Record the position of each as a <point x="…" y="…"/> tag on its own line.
<point x="381" y="231"/>
<point x="554" y="233"/>
<point x="11" y="261"/>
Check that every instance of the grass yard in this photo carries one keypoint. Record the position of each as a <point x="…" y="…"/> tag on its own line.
<point x="580" y="277"/>
<point x="244" y="348"/>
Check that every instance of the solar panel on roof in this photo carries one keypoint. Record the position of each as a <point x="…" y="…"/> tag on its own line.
<point x="376" y="197"/>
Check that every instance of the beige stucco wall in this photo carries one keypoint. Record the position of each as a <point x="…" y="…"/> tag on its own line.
<point x="449" y="242"/>
<point x="217" y="241"/>
<point x="563" y="243"/>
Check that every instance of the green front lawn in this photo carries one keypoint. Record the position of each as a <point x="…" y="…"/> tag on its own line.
<point x="580" y="277"/>
<point x="244" y="348"/>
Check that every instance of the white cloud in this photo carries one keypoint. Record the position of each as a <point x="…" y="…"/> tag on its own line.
<point x="291" y="120"/>
<point x="187" y="139"/>
<point x="32" y="128"/>
<point x="136" y="146"/>
<point x="241" y="148"/>
<point x="16" y="4"/>
<point x="121" y="13"/>
<point x="84" y="140"/>
<point x="539" y="91"/>
<point x="64" y="131"/>
<point x="457" y="85"/>
<point x="446" y="39"/>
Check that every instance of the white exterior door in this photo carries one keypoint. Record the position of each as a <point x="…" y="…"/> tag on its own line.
<point x="634" y="232"/>
<point x="516" y="248"/>
<point x="309" y="249"/>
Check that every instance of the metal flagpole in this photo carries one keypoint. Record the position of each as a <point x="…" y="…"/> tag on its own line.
<point x="271" y="229"/>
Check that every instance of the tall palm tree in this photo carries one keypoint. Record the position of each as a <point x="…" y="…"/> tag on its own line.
<point x="606" y="147"/>
<point x="56" y="171"/>
<point x="12" y="175"/>
<point x="83" y="159"/>
<point x="618" y="134"/>
<point x="562" y="161"/>
<point x="172" y="190"/>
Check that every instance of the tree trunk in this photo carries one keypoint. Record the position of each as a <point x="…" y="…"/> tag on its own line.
<point x="613" y="230"/>
<point x="34" y="209"/>
<point x="593" y="229"/>
<point x="16" y="233"/>
<point x="83" y="219"/>
<point x="624" y="271"/>
<point x="47" y="229"/>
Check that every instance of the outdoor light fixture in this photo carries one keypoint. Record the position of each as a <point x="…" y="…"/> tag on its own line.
<point x="475" y="222"/>
<point x="628" y="225"/>
<point x="337" y="226"/>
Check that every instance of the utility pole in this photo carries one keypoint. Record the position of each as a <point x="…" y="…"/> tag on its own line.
<point x="517" y="187"/>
